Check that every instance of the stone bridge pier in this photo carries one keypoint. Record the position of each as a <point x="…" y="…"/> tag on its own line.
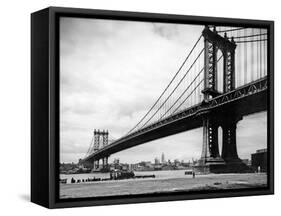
<point x="211" y="160"/>
<point x="101" y="167"/>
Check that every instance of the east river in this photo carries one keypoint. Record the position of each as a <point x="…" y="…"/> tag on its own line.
<point x="164" y="181"/>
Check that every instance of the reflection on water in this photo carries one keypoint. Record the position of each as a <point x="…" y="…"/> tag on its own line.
<point x="164" y="174"/>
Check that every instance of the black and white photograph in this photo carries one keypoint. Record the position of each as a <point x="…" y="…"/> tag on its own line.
<point x="151" y="107"/>
<point x="140" y="107"/>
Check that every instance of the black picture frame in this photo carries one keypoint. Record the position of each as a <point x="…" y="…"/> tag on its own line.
<point x="45" y="106"/>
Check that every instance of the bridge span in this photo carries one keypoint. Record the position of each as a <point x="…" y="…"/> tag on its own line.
<point x="203" y="103"/>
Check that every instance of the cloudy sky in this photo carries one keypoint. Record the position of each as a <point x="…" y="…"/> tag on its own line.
<point x="111" y="72"/>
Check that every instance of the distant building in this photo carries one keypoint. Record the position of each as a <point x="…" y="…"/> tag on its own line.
<point x="156" y="161"/>
<point x="116" y="161"/>
<point x="143" y="166"/>
<point x="133" y="166"/>
<point x="176" y="162"/>
<point x="162" y="158"/>
<point x="124" y="166"/>
<point x="259" y="160"/>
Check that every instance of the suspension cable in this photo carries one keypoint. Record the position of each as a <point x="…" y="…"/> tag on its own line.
<point x="174" y="88"/>
<point x="182" y="93"/>
<point x="188" y="96"/>
<point x="191" y="83"/>
<point x="168" y="84"/>
<point x="90" y="147"/>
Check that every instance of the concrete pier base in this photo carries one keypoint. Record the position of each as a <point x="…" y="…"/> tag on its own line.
<point x="229" y="167"/>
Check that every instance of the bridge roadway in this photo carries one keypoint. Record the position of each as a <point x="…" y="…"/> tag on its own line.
<point x="245" y="100"/>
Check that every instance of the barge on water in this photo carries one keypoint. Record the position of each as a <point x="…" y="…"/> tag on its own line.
<point x="114" y="175"/>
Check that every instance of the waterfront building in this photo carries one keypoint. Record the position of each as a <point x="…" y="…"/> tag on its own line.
<point x="259" y="160"/>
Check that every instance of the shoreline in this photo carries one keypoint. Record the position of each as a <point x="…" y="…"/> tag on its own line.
<point x="152" y="186"/>
<point x="161" y="178"/>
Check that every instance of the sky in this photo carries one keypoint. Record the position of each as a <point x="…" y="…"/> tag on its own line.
<point x="111" y="72"/>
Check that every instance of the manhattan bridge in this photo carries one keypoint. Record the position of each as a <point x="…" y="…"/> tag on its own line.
<point x="222" y="79"/>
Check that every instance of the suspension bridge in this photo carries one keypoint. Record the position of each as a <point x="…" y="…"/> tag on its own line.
<point x="222" y="79"/>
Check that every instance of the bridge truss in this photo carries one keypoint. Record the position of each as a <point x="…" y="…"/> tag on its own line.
<point x="225" y="64"/>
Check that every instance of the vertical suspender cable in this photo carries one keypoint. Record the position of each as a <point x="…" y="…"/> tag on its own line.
<point x="235" y="63"/>
<point x="264" y="55"/>
<point x="245" y="60"/>
<point x="239" y="74"/>
<point x="257" y="63"/>
<point x="252" y="58"/>
<point x="260" y="45"/>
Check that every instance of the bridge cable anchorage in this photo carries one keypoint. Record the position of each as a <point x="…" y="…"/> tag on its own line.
<point x="168" y="84"/>
<point x="197" y="85"/>
<point x="174" y="88"/>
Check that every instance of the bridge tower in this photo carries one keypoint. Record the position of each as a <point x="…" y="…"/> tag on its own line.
<point x="100" y="141"/>
<point x="96" y="140"/>
<point x="212" y="43"/>
<point x="105" y="138"/>
<point x="210" y="157"/>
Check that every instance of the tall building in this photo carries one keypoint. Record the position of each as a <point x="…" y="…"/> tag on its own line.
<point x="162" y="158"/>
<point x="156" y="161"/>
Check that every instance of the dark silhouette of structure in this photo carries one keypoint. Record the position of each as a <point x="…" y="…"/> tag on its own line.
<point x="259" y="160"/>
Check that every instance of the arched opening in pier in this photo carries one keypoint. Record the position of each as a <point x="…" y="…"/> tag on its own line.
<point x="219" y="71"/>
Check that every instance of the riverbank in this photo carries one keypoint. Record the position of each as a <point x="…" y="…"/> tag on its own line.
<point x="159" y="174"/>
<point x="147" y="186"/>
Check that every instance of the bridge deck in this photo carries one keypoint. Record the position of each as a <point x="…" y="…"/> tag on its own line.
<point x="245" y="100"/>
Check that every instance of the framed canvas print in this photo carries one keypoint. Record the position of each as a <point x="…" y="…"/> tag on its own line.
<point x="139" y="107"/>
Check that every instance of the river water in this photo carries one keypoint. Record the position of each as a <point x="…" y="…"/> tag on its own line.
<point x="161" y="174"/>
<point x="172" y="184"/>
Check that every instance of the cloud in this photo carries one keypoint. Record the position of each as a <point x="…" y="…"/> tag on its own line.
<point x="111" y="72"/>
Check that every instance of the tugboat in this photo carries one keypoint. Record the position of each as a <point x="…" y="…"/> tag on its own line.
<point x="121" y="174"/>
